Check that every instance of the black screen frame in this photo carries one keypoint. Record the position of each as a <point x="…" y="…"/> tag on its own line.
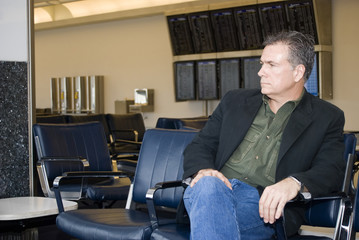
<point x="248" y="28"/>
<point x="207" y="83"/>
<point x="254" y="72"/>
<point x="225" y="36"/>
<point x="202" y="33"/>
<point x="269" y="24"/>
<point x="185" y="88"/>
<point x="222" y="79"/>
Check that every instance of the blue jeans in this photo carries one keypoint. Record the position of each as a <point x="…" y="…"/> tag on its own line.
<point x="217" y="212"/>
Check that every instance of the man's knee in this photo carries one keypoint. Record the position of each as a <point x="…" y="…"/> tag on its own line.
<point x="210" y="186"/>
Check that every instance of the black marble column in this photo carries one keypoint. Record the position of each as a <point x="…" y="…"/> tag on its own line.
<point x="14" y="146"/>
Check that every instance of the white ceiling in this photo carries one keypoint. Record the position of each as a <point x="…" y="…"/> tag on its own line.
<point x="60" y="13"/>
<point x="59" y="10"/>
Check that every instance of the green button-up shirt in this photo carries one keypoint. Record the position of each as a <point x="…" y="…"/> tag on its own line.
<point x="254" y="161"/>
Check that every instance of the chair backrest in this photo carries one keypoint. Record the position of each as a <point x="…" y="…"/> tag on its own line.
<point x="161" y="159"/>
<point x="126" y="121"/>
<point x="180" y="123"/>
<point x="167" y="123"/>
<point x="51" y="119"/>
<point x="350" y="142"/>
<point x="356" y="204"/>
<point x="324" y="213"/>
<point x="193" y="123"/>
<point x="91" y="118"/>
<point x="86" y="140"/>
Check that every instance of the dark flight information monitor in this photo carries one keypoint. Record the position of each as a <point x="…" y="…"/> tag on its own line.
<point x="203" y="40"/>
<point x="185" y="80"/>
<point x="224" y="30"/>
<point x="301" y="17"/>
<point x="207" y="80"/>
<point x="312" y="84"/>
<point x="180" y="34"/>
<point x="248" y="27"/>
<point x="250" y="68"/>
<point x="229" y="75"/>
<point x="273" y="18"/>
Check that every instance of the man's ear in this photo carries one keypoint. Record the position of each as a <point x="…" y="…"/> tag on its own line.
<point x="299" y="72"/>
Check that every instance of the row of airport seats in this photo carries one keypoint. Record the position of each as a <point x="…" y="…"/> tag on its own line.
<point x="63" y="142"/>
<point x="157" y="183"/>
<point x="55" y="155"/>
<point x="76" y="150"/>
<point x="124" y="132"/>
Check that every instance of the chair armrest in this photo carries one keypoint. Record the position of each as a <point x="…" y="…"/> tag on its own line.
<point x="341" y="202"/>
<point x="133" y="131"/>
<point x="318" y="208"/>
<point x="150" y="199"/>
<point x="49" y="168"/>
<point x="128" y="141"/>
<point x="65" y="159"/>
<point x="104" y="174"/>
<point x="83" y="174"/>
<point x="189" y="128"/>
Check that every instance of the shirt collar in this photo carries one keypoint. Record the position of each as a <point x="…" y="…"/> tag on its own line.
<point x="295" y="102"/>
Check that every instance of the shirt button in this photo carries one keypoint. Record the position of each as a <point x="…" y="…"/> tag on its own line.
<point x="268" y="137"/>
<point x="246" y="178"/>
<point x="257" y="157"/>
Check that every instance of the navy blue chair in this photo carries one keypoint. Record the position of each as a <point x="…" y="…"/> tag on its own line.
<point x="55" y="119"/>
<point x="126" y="132"/>
<point x="85" y="118"/>
<point x="78" y="147"/>
<point x="167" y="123"/>
<point x="160" y="160"/>
<point x="123" y="164"/>
<point x="193" y="123"/>
<point x="321" y="213"/>
<point x="335" y="211"/>
<point x="355" y="226"/>
<point x="182" y="123"/>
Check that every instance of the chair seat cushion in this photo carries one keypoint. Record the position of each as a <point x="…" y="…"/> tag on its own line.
<point x="117" y="189"/>
<point x="309" y="238"/>
<point x="171" y="232"/>
<point x="109" y="224"/>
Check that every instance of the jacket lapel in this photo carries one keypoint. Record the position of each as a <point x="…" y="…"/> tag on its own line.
<point x="298" y="122"/>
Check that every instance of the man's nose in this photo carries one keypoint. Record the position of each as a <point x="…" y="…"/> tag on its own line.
<point x="260" y="72"/>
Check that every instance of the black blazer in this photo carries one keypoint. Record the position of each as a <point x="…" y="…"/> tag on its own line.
<point x="312" y="145"/>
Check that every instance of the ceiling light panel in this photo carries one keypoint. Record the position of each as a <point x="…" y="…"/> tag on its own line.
<point x="92" y="7"/>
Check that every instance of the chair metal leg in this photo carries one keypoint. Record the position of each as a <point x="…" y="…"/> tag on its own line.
<point x="345" y="221"/>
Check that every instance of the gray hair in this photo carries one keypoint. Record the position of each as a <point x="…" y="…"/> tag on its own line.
<point x="301" y="48"/>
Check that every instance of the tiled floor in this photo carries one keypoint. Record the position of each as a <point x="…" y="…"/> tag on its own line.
<point x="41" y="233"/>
<point x="52" y="233"/>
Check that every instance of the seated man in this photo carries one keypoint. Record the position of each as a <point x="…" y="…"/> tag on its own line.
<point x="260" y="148"/>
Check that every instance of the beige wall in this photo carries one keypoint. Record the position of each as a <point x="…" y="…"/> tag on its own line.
<point x="345" y="60"/>
<point x="136" y="53"/>
<point x="131" y="54"/>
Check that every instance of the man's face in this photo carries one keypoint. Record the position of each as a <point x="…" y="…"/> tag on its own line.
<point x="277" y="74"/>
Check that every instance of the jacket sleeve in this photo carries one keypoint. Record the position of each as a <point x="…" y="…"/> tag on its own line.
<point x="326" y="172"/>
<point x="201" y="152"/>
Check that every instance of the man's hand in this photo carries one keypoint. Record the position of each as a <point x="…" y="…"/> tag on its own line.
<point x="274" y="198"/>
<point x="213" y="173"/>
